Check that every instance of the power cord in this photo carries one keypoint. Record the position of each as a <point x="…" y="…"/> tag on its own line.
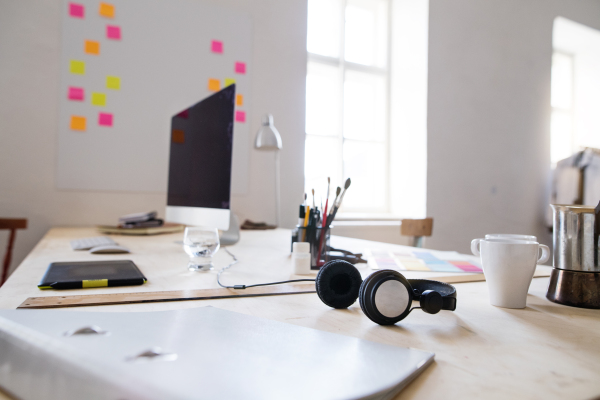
<point x="235" y="261"/>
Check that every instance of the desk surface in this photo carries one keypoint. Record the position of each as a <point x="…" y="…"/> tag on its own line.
<point x="543" y="351"/>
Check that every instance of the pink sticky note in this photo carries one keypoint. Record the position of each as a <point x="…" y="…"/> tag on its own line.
<point x="240" y="116"/>
<point x="216" y="46"/>
<point x="75" y="93"/>
<point x="105" y="119"/>
<point x="76" y="10"/>
<point x="240" y="67"/>
<point x="113" y="32"/>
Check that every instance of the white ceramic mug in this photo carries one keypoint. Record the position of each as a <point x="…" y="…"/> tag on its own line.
<point x="509" y="265"/>
<point x="510" y="236"/>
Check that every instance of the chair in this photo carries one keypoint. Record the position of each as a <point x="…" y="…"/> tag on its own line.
<point x="11" y="224"/>
<point x="417" y="228"/>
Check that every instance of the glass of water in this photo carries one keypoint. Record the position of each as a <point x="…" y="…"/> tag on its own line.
<point x="200" y="243"/>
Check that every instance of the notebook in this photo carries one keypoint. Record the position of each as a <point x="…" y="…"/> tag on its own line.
<point x="198" y="353"/>
<point x="87" y="274"/>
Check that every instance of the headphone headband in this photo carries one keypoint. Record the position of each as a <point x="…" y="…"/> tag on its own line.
<point x="447" y="291"/>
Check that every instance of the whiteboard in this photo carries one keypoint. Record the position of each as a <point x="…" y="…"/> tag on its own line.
<point x="164" y="58"/>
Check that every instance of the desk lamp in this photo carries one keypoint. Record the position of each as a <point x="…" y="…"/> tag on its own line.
<point x="268" y="139"/>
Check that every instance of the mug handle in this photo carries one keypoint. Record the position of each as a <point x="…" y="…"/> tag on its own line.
<point x="545" y="254"/>
<point x="475" y="243"/>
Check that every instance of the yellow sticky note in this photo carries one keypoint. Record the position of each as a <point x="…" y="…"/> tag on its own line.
<point x="214" y="85"/>
<point x="113" y="82"/>
<point x="239" y="100"/>
<point x="107" y="10"/>
<point x="98" y="99"/>
<point x="77" y="123"/>
<point x="92" y="47"/>
<point x="77" y="67"/>
<point x="229" y="81"/>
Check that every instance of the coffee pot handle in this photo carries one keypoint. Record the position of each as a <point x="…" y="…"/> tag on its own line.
<point x="545" y="254"/>
<point x="475" y="243"/>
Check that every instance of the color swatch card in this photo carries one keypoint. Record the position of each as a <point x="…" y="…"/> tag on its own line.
<point x="421" y="260"/>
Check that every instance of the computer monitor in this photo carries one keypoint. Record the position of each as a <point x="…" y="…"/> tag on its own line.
<point x="199" y="189"/>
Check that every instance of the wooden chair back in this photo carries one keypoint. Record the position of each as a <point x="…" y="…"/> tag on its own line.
<point x="11" y="224"/>
<point x="417" y="228"/>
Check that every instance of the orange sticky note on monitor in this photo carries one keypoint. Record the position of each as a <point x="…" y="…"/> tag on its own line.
<point x="214" y="85"/>
<point x="107" y="10"/>
<point x="178" y="136"/>
<point x="77" y="123"/>
<point x="239" y="100"/>
<point x="92" y="47"/>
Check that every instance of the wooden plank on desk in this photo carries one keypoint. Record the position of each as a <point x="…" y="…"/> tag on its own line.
<point x="172" y="295"/>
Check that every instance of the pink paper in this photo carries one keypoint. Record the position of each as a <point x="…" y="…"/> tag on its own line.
<point x="113" y="32"/>
<point x="75" y="93"/>
<point x="240" y="116"/>
<point x="76" y="10"/>
<point x="216" y="46"/>
<point x="105" y="119"/>
<point x="240" y="67"/>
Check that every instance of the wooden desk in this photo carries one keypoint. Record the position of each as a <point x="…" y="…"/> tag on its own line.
<point x="543" y="351"/>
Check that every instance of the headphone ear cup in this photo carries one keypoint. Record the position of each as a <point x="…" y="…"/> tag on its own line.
<point x="338" y="283"/>
<point x="386" y="309"/>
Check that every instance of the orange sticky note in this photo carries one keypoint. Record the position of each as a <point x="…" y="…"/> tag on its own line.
<point x="107" y="10"/>
<point x="214" y="85"/>
<point x="178" y="136"/>
<point x="92" y="47"/>
<point x="239" y="100"/>
<point x="77" y="123"/>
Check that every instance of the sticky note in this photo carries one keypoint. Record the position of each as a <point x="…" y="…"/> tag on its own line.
<point x="113" y="82"/>
<point x="239" y="100"/>
<point x="76" y="10"/>
<point x="178" y="136"/>
<point x="92" y="47"/>
<point x="77" y="67"/>
<point x="77" y="123"/>
<point x="214" y="85"/>
<point x="216" y="46"/>
<point x="185" y="114"/>
<point x="107" y="10"/>
<point x="229" y="81"/>
<point x="105" y="119"/>
<point x="113" y="32"/>
<point x="75" y="93"/>
<point x="240" y="67"/>
<point x="240" y="116"/>
<point x="98" y="99"/>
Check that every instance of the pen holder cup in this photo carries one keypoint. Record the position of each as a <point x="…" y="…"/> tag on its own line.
<point x="313" y="236"/>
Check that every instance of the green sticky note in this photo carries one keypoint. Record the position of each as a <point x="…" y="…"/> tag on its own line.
<point x="98" y="99"/>
<point x="77" y="67"/>
<point x="229" y="81"/>
<point x="113" y="82"/>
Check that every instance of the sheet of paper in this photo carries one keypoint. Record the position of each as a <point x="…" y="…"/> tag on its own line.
<point x="113" y="82"/>
<point x="92" y="47"/>
<point x="420" y="260"/>
<point x="105" y="119"/>
<point x="77" y="123"/>
<point x="107" y="10"/>
<point x="113" y="32"/>
<point x="77" y="67"/>
<point x="98" y="99"/>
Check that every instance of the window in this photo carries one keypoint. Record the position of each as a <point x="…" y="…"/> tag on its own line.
<point x="347" y="101"/>
<point x="561" y="125"/>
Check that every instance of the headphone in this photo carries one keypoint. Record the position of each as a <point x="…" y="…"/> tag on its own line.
<point x="385" y="296"/>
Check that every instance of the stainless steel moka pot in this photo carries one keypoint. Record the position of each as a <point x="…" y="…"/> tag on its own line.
<point x="575" y="279"/>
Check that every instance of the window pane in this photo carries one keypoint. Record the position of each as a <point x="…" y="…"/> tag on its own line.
<point x="323" y="100"/>
<point x="365" y="163"/>
<point x="322" y="159"/>
<point x="365" y="111"/>
<point x="324" y="20"/>
<point x="366" y="32"/>
<point x="561" y="136"/>
<point x="562" y="80"/>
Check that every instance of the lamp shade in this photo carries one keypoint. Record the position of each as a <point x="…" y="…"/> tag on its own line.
<point x="268" y="137"/>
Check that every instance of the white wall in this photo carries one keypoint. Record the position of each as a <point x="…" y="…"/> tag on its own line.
<point x="29" y="71"/>
<point x="489" y="114"/>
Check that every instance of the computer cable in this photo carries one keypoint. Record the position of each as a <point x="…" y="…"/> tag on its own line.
<point x="235" y="260"/>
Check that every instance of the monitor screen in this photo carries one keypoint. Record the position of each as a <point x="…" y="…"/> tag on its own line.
<point x="201" y="151"/>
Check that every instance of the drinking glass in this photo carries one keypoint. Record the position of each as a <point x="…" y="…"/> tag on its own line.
<point x="200" y="243"/>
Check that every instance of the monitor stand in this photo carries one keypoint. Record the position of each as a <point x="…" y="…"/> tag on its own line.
<point x="232" y="235"/>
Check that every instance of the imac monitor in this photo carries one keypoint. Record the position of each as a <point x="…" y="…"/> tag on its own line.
<point x="199" y="187"/>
